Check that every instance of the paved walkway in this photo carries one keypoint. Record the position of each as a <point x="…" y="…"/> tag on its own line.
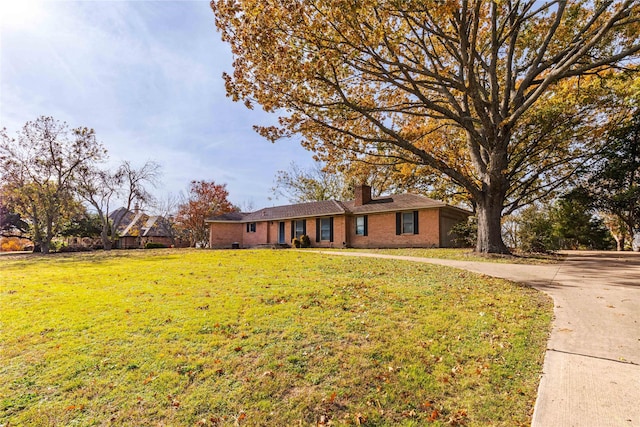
<point x="591" y="373"/>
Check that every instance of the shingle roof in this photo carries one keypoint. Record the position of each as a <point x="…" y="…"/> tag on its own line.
<point x="140" y="224"/>
<point x="124" y="218"/>
<point x="231" y="216"/>
<point x="397" y="202"/>
<point x="156" y="226"/>
<point x="299" y="210"/>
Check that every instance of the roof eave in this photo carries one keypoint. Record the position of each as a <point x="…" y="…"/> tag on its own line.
<point x="279" y="218"/>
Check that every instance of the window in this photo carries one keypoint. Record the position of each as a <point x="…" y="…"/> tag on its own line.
<point x="298" y="228"/>
<point x="361" y="226"/>
<point x="251" y="227"/>
<point x="407" y="222"/>
<point x="324" y="229"/>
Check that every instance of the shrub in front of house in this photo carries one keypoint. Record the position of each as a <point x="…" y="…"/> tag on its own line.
<point x="154" y="245"/>
<point x="11" y="244"/>
<point x="295" y="242"/>
<point x="305" y="242"/>
<point x="465" y="233"/>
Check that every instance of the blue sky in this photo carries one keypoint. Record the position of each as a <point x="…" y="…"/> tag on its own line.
<point x="146" y="75"/>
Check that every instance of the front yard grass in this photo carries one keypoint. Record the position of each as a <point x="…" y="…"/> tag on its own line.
<point x="464" y="254"/>
<point x="263" y="338"/>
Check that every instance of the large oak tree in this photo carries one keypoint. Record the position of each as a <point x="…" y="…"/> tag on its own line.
<point x="457" y="87"/>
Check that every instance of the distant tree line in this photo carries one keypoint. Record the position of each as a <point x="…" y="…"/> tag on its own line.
<point x="55" y="182"/>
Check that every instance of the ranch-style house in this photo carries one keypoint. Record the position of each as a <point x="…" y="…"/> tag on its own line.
<point x="396" y="221"/>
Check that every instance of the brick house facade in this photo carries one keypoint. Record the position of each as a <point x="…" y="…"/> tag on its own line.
<point x="404" y="220"/>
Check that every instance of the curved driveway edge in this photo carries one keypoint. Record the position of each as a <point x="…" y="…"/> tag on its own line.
<point x="591" y="372"/>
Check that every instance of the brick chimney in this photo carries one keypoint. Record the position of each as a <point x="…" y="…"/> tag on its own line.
<point x="363" y="195"/>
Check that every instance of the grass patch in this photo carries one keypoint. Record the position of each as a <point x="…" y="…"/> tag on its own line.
<point x="185" y="337"/>
<point x="459" y="254"/>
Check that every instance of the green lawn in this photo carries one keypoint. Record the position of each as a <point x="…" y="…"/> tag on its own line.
<point x="467" y="255"/>
<point x="263" y="338"/>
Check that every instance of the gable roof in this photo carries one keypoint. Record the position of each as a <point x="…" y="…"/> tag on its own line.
<point x="156" y="226"/>
<point x="124" y="218"/>
<point x="396" y="202"/>
<point x="140" y="224"/>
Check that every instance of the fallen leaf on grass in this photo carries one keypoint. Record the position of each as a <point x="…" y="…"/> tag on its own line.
<point x="458" y="419"/>
<point x="148" y="379"/>
<point x="174" y="402"/>
<point x="241" y="417"/>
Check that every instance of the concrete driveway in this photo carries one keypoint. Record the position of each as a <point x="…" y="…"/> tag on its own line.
<point x="592" y="365"/>
<point x="591" y="373"/>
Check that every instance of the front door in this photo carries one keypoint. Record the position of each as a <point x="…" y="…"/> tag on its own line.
<point x="281" y="239"/>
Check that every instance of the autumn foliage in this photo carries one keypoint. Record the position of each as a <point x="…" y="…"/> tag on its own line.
<point x="496" y="98"/>
<point x="41" y="166"/>
<point x="12" y="244"/>
<point x="205" y="199"/>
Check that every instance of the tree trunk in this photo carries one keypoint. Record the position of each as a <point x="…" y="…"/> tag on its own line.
<point x="46" y="242"/>
<point x="44" y="247"/>
<point x="37" y="243"/>
<point x="106" y="227"/>
<point x="489" y="211"/>
<point x="106" y="240"/>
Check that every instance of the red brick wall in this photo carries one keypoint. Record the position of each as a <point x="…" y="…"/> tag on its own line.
<point x="250" y="239"/>
<point x="128" y="242"/>
<point x="273" y="232"/>
<point x="223" y="235"/>
<point x="339" y="233"/>
<point x="382" y="231"/>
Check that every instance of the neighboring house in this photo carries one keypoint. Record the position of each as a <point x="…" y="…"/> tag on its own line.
<point x="136" y="229"/>
<point x="404" y="220"/>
